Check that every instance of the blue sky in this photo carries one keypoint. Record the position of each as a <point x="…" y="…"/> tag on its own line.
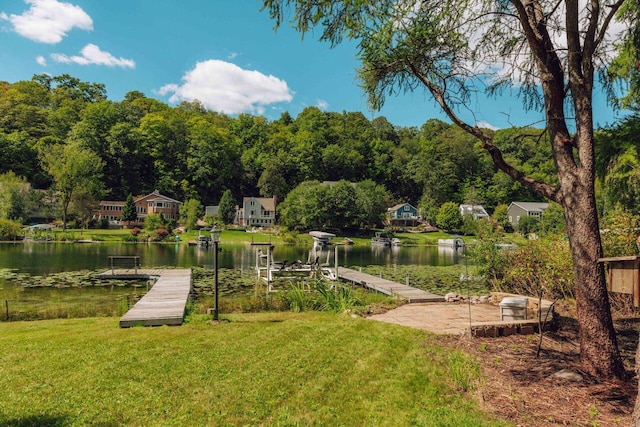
<point x="224" y="53"/>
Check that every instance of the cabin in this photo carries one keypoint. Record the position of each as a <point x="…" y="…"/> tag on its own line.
<point x="403" y="214"/>
<point x="152" y="203"/>
<point x="518" y="210"/>
<point x="474" y="211"/>
<point x="257" y="212"/>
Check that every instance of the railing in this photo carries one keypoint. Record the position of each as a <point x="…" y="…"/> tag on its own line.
<point x="128" y="262"/>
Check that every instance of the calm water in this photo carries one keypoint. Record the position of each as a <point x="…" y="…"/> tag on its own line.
<point x="41" y="259"/>
<point x="37" y="258"/>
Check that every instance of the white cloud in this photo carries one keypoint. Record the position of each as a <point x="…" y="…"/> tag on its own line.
<point x="48" y="21"/>
<point x="486" y="125"/>
<point x="41" y="60"/>
<point x="225" y="87"/>
<point x="91" y="54"/>
<point x="233" y="55"/>
<point x="322" y="104"/>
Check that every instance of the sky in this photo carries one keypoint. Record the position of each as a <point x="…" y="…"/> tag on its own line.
<point x="224" y="53"/>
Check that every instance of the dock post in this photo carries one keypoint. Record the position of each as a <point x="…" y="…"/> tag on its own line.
<point x="336" y="262"/>
<point x="407" y="281"/>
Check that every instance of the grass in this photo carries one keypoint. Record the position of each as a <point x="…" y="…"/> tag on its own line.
<point x="259" y="369"/>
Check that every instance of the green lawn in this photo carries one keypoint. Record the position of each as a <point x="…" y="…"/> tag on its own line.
<point x="260" y="369"/>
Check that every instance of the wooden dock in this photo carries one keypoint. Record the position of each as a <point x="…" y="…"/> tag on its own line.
<point x="387" y="287"/>
<point x="165" y="302"/>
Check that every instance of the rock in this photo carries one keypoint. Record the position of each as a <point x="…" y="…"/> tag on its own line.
<point x="483" y="299"/>
<point x="451" y="297"/>
<point x="568" y="375"/>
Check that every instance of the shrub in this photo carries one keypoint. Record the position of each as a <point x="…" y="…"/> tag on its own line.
<point x="9" y="230"/>
<point x="160" y="234"/>
<point x="536" y="267"/>
<point x="135" y="231"/>
<point x="449" y="218"/>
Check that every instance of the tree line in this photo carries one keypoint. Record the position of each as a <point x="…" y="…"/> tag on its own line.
<point x="50" y="126"/>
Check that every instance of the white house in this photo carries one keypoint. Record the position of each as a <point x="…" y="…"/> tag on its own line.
<point x="475" y="211"/>
<point x="257" y="212"/>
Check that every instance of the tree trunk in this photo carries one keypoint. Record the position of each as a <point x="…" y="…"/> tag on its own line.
<point x="599" y="352"/>
<point x="635" y="418"/>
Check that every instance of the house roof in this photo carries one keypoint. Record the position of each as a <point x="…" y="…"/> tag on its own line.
<point x="268" y="203"/>
<point x="157" y="194"/>
<point x="398" y="206"/>
<point x="474" y="209"/>
<point x="531" y="206"/>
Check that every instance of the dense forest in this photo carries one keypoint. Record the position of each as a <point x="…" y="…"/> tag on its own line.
<point x="140" y="144"/>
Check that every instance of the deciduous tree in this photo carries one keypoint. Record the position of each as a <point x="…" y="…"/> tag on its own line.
<point x="548" y="50"/>
<point x="72" y="167"/>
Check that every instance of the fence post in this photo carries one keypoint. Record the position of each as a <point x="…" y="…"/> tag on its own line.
<point x="6" y="304"/>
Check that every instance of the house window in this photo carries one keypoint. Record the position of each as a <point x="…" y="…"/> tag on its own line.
<point x="159" y="204"/>
<point x="535" y="214"/>
<point x="518" y="218"/>
<point x="510" y="218"/>
<point x="407" y="207"/>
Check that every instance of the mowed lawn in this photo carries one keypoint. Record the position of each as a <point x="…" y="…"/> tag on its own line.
<point x="261" y="369"/>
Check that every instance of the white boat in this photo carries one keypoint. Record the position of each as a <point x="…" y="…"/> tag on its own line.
<point x="396" y="242"/>
<point x="454" y="243"/>
<point x="381" y="239"/>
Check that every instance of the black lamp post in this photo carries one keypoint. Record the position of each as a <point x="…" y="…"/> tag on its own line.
<point x="215" y="238"/>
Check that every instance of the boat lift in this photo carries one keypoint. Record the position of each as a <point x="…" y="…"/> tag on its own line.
<point x="271" y="271"/>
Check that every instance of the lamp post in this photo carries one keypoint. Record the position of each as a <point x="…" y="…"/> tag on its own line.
<point x="215" y="237"/>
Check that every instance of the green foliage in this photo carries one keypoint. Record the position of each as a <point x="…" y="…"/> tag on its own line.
<point x="527" y="225"/>
<point x="449" y="218"/>
<point x="9" y="229"/>
<point x="227" y="207"/>
<point x="315" y="205"/>
<point x="13" y="197"/>
<point x="73" y="168"/>
<point x="153" y="222"/>
<point x="620" y="235"/>
<point x="552" y="221"/>
<point x="190" y="212"/>
<point x="129" y="210"/>
<point x="538" y="267"/>
<point x="501" y="217"/>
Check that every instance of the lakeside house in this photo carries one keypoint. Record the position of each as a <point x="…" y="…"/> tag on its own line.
<point x="402" y="214"/>
<point x="518" y="210"/>
<point x="257" y="212"/>
<point x="475" y="211"/>
<point x="152" y="203"/>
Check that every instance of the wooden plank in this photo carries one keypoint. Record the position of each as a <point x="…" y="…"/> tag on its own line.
<point x="165" y="302"/>
<point x="388" y="287"/>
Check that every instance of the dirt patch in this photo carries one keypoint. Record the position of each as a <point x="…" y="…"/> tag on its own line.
<point x="521" y="388"/>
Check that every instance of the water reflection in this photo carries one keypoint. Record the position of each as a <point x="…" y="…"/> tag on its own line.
<point x="44" y="258"/>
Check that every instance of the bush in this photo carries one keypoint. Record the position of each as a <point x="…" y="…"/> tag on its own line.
<point x="160" y="234"/>
<point x="449" y="218"/>
<point x="135" y="231"/>
<point x="536" y="267"/>
<point x="528" y="225"/>
<point x="10" y="230"/>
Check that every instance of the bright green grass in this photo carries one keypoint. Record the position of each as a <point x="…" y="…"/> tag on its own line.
<point x="260" y="369"/>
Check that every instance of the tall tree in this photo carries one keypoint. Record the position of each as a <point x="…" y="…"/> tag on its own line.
<point x="547" y="49"/>
<point x="227" y="207"/>
<point x="129" y="213"/>
<point x="72" y="168"/>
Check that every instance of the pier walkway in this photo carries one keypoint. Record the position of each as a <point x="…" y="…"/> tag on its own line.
<point x="165" y="302"/>
<point x="387" y="287"/>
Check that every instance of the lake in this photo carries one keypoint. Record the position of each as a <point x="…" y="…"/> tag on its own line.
<point x="48" y="258"/>
<point x="39" y="258"/>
